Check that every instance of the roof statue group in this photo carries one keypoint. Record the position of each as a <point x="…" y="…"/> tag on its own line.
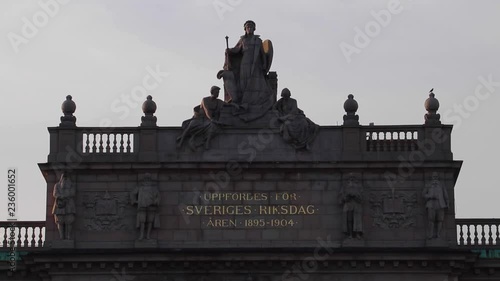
<point x="248" y="97"/>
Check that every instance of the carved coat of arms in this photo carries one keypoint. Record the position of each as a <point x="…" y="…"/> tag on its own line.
<point x="393" y="209"/>
<point x="105" y="212"/>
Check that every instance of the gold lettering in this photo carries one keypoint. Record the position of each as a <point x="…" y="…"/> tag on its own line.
<point x="237" y="210"/>
<point x="189" y="210"/>
<point x="216" y="210"/>
<point x="310" y="209"/>
<point x="222" y="223"/>
<point x="206" y="196"/>
<point x="198" y="209"/>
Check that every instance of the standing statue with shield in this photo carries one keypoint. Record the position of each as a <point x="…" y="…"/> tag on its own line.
<point x="245" y="74"/>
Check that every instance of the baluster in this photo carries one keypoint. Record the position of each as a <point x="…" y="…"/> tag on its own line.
<point x="18" y="242"/>
<point x="392" y="146"/>
<point x="4" y="242"/>
<point x="389" y="141"/>
<point x="377" y="142"/>
<point x="129" y="149"/>
<point x="94" y="143"/>
<point x="461" y="240"/>
<point x="122" y="148"/>
<point x="483" y="235"/>
<point x="87" y="143"/>
<point x="367" y="137"/>
<point x="108" y="142"/>
<point x="476" y="238"/>
<point x="32" y="243"/>
<point x="497" y="239"/>
<point x="384" y="141"/>
<point x="40" y="236"/>
<point x="115" y="149"/>
<point x="407" y="142"/>
<point x="101" y="148"/>
<point x="403" y="141"/>
<point x="371" y="145"/>
<point x="469" y="240"/>
<point x="415" y="140"/>
<point x="490" y="234"/>
<point x="25" y="242"/>
<point x="381" y="141"/>
<point x="398" y="142"/>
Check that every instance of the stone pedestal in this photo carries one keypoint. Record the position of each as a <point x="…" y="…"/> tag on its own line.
<point x="151" y="243"/>
<point x="229" y="117"/>
<point x="353" y="242"/>
<point x="437" y="243"/>
<point x="63" y="244"/>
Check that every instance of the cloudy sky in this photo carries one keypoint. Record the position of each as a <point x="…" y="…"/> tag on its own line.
<point x="387" y="53"/>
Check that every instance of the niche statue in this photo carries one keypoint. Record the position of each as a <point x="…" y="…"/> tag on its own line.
<point x="350" y="198"/>
<point x="147" y="198"/>
<point x="436" y="201"/>
<point x="64" y="209"/>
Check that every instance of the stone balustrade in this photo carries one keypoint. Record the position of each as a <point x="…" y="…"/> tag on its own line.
<point x="334" y="143"/>
<point x="478" y="233"/>
<point x="474" y="233"/>
<point x="26" y="234"/>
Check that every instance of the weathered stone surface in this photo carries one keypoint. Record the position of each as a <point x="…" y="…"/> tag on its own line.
<point x="199" y="213"/>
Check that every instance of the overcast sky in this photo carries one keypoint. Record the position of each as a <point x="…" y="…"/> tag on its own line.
<point x="387" y="53"/>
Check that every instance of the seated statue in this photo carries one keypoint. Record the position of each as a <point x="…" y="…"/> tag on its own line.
<point x="201" y="128"/>
<point x="211" y="105"/>
<point x="244" y="74"/>
<point x="296" y="128"/>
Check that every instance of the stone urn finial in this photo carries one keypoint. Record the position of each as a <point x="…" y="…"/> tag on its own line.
<point x="149" y="108"/>
<point x="350" y="107"/>
<point x="432" y="105"/>
<point x="68" y="107"/>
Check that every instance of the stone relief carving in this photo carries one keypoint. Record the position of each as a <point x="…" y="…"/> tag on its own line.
<point x="105" y="212"/>
<point x="393" y="209"/>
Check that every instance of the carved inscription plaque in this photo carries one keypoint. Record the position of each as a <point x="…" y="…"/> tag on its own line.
<point x="251" y="209"/>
